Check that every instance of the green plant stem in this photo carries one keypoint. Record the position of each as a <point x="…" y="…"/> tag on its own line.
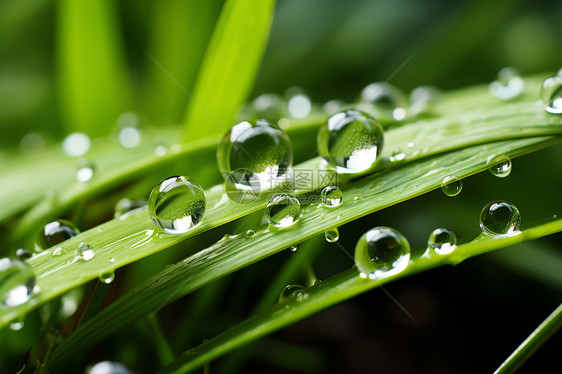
<point x="533" y="342"/>
<point x="157" y="339"/>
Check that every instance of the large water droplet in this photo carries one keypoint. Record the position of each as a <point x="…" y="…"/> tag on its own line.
<point x="55" y="232"/>
<point x="500" y="166"/>
<point x="551" y="94"/>
<point x="293" y="292"/>
<point x="255" y="155"/>
<point x="332" y="235"/>
<point x="351" y="141"/>
<point x="509" y="84"/>
<point x="442" y="241"/>
<point x="84" y="252"/>
<point x="107" y="278"/>
<point x="85" y="170"/>
<point x="451" y="185"/>
<point x="76" y="144"/>
<point x="500" y="218"/>
<point x="127" y="205"/>
<point x="382" y="251"/>
<point x="177" y="204"/>
<point x="108" y="367"/>
<point x="387" y="101"/>
<point x="283" y="210"/>
<point x="17" y="280"/>
<point x="331" y="196"/>
<point x="250" y="233"/>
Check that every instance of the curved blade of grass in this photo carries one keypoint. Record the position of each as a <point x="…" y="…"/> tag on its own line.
<point x="229" y="67"/>
<point x="337" y="289"/>
<point x="373" y="193"/>
<point x="180" y="32"/>
<point x="91" y="66"/>
<point x="542" y="333"/>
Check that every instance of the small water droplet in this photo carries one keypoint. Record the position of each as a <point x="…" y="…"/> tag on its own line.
<point x="551" y="94"/>
<point x="331" y="196"/>
<point x="107" y="278"/>
<point x="508" y="85"/>
<point x="397" y="155"/>
<point x="298" y="104"/>
<point x="16" y="324"/>
<point x="76" y="144"/>
<point x="387" y="101"/>
<point x="283" y="210"/>
<point x="382" y="251"/>
<point x="499" y="165"/>
<point x="129" y="137"/>
<point x="55" y="232"/>
<point x="127" y="205"/>
<point x="177" y="204"/>
<point x="108" y="367"/>
<point x="85" y="170"/>
<point x="58" y="252"/>
<point x="250" y="233"/>
<point x="17" y="281"/>
<point x="293" y="292"/>
<point x="332" y="235"/>
<point x="283" y="123"/>
<point x="23" y="254"/>
<point x="160" y="150"/>
<point x="451" y="185"/>
<point x="293" y="248"/>
<point x="255" y="155"/>
<point x="350" y="141"/>
<point x="112" y="259"/>
<point x="442" y="241"/>
<point x="500" y="218"/>
<point x="84" y="252"/>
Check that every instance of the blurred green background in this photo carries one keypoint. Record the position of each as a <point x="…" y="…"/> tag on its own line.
<point x="469" y="317"/>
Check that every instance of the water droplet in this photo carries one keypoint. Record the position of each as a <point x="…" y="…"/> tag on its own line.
<point x="551" y="94"/>
<point x="177" y="204"/>
<point x="283" y="210"/>
<point x="332" y="235"/>
<point x="16" y="324"/>
<point x="382" y="251"/>
<point x="387" y="101"/>
<point x="58" y="252"/>
<point x="108" y="367"/>
<point x="500" y="166"/>
<point x="397" y="155"/>
<point x="500" y="218"/>
<point x="55" y="232"/>
<point x="160" y="150"/>
<point x="76" y="144"/>
<point x="508" y="85"/>
<point x="293" y="248"/>
<point x="293" y="292"/>
<point x="112" y="259"/>
<point x="299" y="104"/>
<point x="107" y="278"/>
<point x="85" y="170"/>
<point x="283" y="123"/>
<point x="17" y="281"/>
<point x="331" y="196"/>
<point x="451" y="185"/>
<point x="351" y="141"/>
<point x="423" y="99"/>
<point x="84" y="252"/>
<point x="127" y="205"/>
<point x="255" y="155"/>
<point x="442" y="241"/>
<point x="23" y="254"/>
<point x="129" y="137"/>
<point x="250" y="233"/>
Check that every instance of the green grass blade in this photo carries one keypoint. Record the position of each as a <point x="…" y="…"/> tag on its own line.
<point x="229" y="67"/>
<point x="91" y="66"/>
<point x="180" y="32"/>
<point x="542" y="333"/>
<point x="230" y="255"/>
<point x="348" y="284"/>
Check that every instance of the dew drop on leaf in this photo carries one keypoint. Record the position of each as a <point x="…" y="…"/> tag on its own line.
<point x="332" y="235"/>
<point x="17" y="281"/>
<point x="283" y="210"/>
<point x="55" y="232"/>
<point x="350" y="141"/>
<point x="551" y="94"/>
<point x="508" y="85"/>
<point x="331" y="196"/>
<point x="500" y="218"/>
<point x="382" y="251"/>
<point x="177" y="204"/>
<point x="107" y="278"/>
<point x="442" y="241"/>
<point x="451" y="186"/>
<point x="293" y="292"/>
<point x="85" y="170"/>
<point x="500" y="166"/>
<point x="84" y="252"/>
